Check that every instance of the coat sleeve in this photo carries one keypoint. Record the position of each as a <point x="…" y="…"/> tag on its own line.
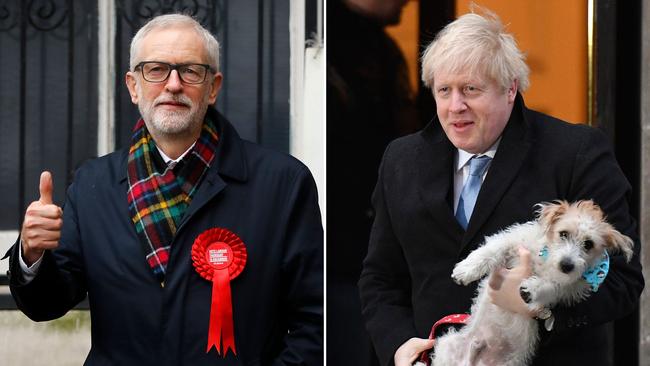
<point x="597" y="176"/>
<point x="302" y="273"/>
<point x="59" y="284"/>
<point x="385" y="283"/>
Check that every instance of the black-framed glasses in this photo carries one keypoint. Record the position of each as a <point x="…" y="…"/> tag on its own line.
<point x="158" y="72"/>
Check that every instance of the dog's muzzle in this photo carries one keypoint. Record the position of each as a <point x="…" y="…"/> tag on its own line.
<point x="566" y="265"/>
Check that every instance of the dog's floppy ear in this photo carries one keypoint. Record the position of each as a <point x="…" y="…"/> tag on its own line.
<point x="549" y="212"/>
<point x="616" y="242"/>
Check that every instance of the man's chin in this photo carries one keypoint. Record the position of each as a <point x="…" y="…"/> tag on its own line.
<point x="173" y="129"/>
<point x="172" y="124"/>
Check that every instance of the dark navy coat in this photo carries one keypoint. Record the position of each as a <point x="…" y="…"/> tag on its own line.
<point x="268" y="199"/>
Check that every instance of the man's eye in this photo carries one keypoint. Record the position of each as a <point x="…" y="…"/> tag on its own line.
<point x="470" y="89"/>
<point x="564" y="234"/>
<point x="190" y="71"/>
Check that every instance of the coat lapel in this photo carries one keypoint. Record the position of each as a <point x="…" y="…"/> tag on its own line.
<point x="229" y="161"/>
<point x="435" y="173"/>
<point x="509" y="158"/>
<point x="210" y="187"/>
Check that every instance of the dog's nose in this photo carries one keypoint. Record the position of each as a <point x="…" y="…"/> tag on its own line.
<point x="566" y="265"/>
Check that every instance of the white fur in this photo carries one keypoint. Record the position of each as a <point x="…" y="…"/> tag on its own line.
<point x="495" y="336"/>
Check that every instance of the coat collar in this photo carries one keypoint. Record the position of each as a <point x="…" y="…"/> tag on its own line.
<point x="229" y="163"/>
<point x="510" y="156"/>
<point x="436" y="168"/>
<point x="230" y="158"/>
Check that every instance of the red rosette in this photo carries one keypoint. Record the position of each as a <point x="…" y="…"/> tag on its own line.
<point x="219" y="255"/>
<point x="218" y="235"/>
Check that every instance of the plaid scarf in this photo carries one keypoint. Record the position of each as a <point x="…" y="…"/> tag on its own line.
<point x="157" y="201"/>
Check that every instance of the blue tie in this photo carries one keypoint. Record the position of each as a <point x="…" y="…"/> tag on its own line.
<point x="477" y="166"/>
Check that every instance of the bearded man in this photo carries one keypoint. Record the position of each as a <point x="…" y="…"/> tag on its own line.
<point x="189" y="237"/>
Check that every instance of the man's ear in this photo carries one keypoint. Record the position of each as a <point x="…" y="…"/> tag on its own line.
<point x="512" y="91"/>
<point x="215" y="87"/>
<point x="131" y="83"/>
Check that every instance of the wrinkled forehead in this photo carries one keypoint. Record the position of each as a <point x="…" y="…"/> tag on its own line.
<point x="464" y="73"/>
<point x="447" y="71"/>
<point x="176" y="41"/>
<point x="462" y="77"/>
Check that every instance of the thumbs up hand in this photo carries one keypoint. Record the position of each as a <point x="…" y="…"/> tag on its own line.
<point x="43" y="222"/>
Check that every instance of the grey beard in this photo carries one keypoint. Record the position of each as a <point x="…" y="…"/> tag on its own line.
<point x="172" y="122"/>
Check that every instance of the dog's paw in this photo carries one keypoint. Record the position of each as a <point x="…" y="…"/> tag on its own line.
<point x="464" y="273"/>
<point x="538" y="293"/>
<point x="532" y="291"/>
<point x="528" y="293"/>
<point x="458" y="278"/>
<point x="525" y="295"/>
<point x="528" y="290"/>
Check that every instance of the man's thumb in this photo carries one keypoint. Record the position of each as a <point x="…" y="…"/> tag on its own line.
<point x="424" y="344"/>
<point x="45" y="188"/>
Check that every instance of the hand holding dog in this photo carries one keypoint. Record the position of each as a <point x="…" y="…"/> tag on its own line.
<point x="408" y="352"/>
<point x="504" y="285"/>
<point x="42" y="225"/>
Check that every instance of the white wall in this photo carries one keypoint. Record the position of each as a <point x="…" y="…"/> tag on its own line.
<point x="307" y="138"/>
<point x="7" y="239"/>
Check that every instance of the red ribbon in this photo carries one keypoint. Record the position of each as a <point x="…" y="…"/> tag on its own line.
<point x="218" y="255"/>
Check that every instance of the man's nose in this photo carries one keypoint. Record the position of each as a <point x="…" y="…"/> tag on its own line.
<point x="173" y="83"/>
<point x="457" y="103"/>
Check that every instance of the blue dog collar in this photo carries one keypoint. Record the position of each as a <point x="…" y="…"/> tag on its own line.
<point x="544" y="253"/>
<point x="594" y="275"/>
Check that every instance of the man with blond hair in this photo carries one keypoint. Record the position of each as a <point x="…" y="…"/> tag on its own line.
<point x="478" y="167"/>
<point x="188" y="240"/>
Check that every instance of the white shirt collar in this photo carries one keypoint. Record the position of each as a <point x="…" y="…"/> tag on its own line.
<point x="464" y="156"/>
<point x="167" y="159"/>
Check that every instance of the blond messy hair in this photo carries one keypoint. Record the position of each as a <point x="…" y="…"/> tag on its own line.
<point x="478" y="45"/>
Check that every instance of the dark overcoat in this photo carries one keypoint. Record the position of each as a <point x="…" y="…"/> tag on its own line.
<point x="415" y="241"/>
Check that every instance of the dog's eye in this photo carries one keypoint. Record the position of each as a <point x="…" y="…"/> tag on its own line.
<point x="564" y="234"/>
<point x="588" y="244"/>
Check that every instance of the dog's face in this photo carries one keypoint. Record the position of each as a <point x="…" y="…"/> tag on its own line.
<point x="577" y="235"/>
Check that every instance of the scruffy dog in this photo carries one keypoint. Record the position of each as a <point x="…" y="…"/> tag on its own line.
<point x="565" y="241"/>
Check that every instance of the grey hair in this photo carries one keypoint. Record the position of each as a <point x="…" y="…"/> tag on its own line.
<point x="479" y="45"/>
<point x="176" y="20"/>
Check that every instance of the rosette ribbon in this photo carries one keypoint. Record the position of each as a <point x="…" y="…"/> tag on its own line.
<point x="219" y="255"/>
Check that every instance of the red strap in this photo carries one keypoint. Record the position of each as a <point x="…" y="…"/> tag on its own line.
<point x="449" y="319"/>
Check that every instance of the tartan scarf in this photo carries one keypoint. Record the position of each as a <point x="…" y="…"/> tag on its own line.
<point x="158" y="201"/>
